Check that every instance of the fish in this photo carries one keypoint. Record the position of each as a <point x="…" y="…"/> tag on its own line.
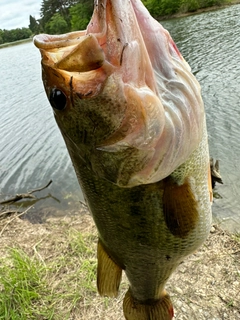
<point x="132" y="118"/>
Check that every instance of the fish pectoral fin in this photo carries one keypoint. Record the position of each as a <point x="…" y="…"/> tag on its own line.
<point x="109" y="274"/>
<point x="180" y="207"/>
<point x="154" y="310"/>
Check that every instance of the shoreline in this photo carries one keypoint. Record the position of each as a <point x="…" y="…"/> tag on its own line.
<point x="15" y="43"/>
<point x="198" y="11"/>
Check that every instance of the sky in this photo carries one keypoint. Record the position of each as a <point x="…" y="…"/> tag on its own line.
<point x="15" y="13"/>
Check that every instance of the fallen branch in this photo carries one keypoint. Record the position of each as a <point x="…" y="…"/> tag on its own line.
<point x="27" y="195"/>
<point x="40" y="189"/>
<point x="18" y="197"/>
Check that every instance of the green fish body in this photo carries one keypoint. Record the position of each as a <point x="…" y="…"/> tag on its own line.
<point x="133" y="121"/>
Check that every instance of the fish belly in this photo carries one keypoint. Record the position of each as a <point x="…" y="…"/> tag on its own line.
<point x="147" y="230"/>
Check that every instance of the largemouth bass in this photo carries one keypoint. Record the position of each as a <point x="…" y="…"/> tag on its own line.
<point x="132" y="117"/>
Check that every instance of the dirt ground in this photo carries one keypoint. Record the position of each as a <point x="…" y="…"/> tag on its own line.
<point x="206" y="286"/>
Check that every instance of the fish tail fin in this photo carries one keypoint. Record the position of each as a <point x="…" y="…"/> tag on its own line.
<point x="109" y="274"/>
<point x="161" y="309"/>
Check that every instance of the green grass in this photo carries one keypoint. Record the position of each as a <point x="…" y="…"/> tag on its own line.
<point x="236" y="237"/>
<point x="23" y="288"/>
<point x="33" y="288"/>
<point x="76" y="267"/>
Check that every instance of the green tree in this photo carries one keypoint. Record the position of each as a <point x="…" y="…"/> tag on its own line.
<point x="162" y="7"/>
<point x="51" y="7"/>
<point x="26" y="33"/>
<point x="80" y="14"/>
<point x="190" y="5"/>
<point x="57" y="25"/>
<point x="34" y="25"/>
<point x="167" y="7"/>
<point x="15" y="34"/>
<point x="1" y="36"/>
<point x="210" y="3"/>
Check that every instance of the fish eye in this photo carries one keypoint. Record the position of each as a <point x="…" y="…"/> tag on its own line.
<point x="57" y="99"/>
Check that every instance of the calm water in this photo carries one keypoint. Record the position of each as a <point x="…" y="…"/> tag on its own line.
<point x="32" y="150"/>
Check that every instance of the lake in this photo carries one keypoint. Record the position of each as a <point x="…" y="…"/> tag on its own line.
<point x="32" y="150"/>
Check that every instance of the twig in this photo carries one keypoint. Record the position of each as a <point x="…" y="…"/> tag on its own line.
<point x="37" y="253"/>
<point x="24" y="195"/>
<point x="19" y="215"/>
<point x="18" y="197"/>
<point x="40" y="189"/>
<point x="7" y="213"/>
<point x="84" y="204"/>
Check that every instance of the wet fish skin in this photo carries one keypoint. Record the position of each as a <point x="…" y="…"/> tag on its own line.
<point x="132" y="118"/>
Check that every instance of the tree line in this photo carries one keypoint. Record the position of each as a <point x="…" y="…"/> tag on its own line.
<point x="61" y="16"/>
<point x="160" y="8"/>
<point x="14" y="34"/>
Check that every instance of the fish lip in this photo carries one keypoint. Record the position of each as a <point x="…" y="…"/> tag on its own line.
<point x="47" y="41"/>
<point x="73" y="52"/>
<point x="123" y="50"/>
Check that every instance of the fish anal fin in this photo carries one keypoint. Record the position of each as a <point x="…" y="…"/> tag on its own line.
<point x="109" y="274"/>
<point x="180" y="207"/>
<point x="161" y="309"/>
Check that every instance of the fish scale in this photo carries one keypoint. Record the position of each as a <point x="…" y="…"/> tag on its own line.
<point x="133" y="121"/>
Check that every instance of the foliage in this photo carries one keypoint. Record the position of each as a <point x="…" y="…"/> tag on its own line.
<point x="190" y="5"/>
<point x="162" y="7"/>
<point x="22" y="288"/>
<point x="1" y="36"/>
<point x="81" y="14"/>
<point x="14" y="34"/>
<point x="34" y="25"/>
<point x="168" y="7"/>
<point x="57" y="25"/>
<point x="50" y="7"/>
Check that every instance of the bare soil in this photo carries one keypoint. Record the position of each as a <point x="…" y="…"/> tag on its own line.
<point x="205" y="286"/>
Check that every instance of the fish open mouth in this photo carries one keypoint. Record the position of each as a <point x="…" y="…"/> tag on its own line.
<point x="106" y="39"/>
<point x="123" y="47"/>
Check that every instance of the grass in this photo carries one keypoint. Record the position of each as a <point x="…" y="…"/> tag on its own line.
<point x="236" y="237"/>
<point x="48" y="272"/>
<point x="76" y="268"/>
<point x="23" y="288"/>
<point x="33" y="288"/>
